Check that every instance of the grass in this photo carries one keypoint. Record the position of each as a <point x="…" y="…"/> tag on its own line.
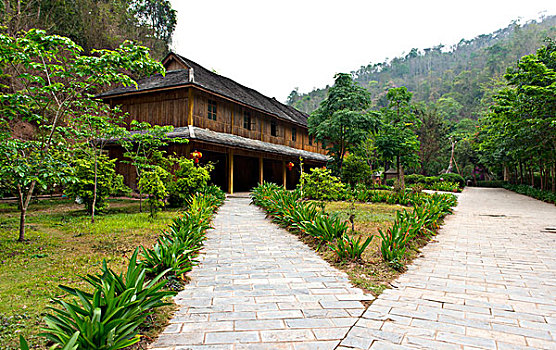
<point x="372" y="273"/>
<point x="61" y="246"/>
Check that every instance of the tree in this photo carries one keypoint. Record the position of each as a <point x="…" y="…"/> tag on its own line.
<point x="396" y="139"/>
<point x="48" y="82"/>
<point x="94" y="127"/>
<point x="433" y="138"/>
<point x="520" y="129"/>
<point x="96" y="179"/>
<point x="143" y="147"/>
<point x="342" y="119"/>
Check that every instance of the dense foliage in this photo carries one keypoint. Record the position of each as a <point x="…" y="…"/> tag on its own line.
<point x="519" y="133"/>
<point x="95" y="24"/>
<point x="186" y="178"/>
<point x="342" y="119"/>
<point x="107" y="182"/>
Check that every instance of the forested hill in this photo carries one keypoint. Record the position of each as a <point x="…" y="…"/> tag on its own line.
<point x="455" y="77"/>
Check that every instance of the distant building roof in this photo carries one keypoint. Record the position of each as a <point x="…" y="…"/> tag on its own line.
<point x="197" y="75"/>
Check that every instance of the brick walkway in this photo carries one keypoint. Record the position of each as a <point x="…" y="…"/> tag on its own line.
<point x="259" y="287"/>
<point x="487" y="282"/>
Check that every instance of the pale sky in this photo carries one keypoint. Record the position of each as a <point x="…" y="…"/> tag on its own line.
<point x="275" y="46"/>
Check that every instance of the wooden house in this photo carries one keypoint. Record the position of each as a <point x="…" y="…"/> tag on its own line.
<point x="247" y="136"/>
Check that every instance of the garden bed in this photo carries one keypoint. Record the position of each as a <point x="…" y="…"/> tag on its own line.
<point x="327" y="228"/>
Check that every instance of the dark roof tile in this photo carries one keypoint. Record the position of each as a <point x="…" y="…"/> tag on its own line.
<point x="218" y="84"/>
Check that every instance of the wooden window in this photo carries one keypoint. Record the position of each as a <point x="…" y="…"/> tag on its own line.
<point x="294" y="134"/>
<point x="212" y="109"/>
<point x="247" y="120"/>
<point x="273" y="128"/>
<point x="310" y="140"/>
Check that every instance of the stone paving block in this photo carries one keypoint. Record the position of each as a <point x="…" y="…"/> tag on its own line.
<point x="426" y="343"/>
<point x="254" y="325"/>
<point x="354" y="342"/>
<point x="231" y="337"/>
<point x="321" y="345"/>
<point x="465" y="340"/>
<point x="287" y="335"/>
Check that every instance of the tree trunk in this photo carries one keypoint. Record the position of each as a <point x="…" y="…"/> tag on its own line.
<point x="402" y="179"/>
<point x="520" y="173"/>
<point x="23" y="205"/>
<point x="94" y="190"/>
<point x="553" y="177"/>
<point x="532" y="176"/>
<point x="541" y="174"/>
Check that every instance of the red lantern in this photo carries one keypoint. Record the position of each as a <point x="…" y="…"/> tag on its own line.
<point x="290" y="166"/>
<point x="196" y="156"/>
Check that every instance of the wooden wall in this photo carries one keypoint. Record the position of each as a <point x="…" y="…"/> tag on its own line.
<point x="170" y="107"/>
<point x="161" y="108"/>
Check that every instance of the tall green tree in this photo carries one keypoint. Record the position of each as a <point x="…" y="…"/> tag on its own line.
<point x="342" y="119"/>
<point x="48" y="83"/>
<point x="396" y="139"/>
<point x="520" y="129"/>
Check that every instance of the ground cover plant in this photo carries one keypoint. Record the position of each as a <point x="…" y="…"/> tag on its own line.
<point x="348" y="233"/>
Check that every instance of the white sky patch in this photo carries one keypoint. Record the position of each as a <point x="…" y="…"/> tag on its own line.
<point x="274" y="47"/>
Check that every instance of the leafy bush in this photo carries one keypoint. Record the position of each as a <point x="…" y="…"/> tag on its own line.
<point x="445" y="186"/>
<point x="109" y="317"/>
<point x="451" y="177"/>
<point x="287" y="210"/>
<point x="355" y="170"/>
<point x="168" y="254"/>
<point x="393" y="244"/>
<point x="187" y="178"/>
<point x="108" y="182"/>
<point x="423" y="220"/>
<point x="176" y="249"/>
<point x="325" y="228"/>
<point x="320" y="184"/>
<point x="152" y="183"/>
<point x="348" y="248"/>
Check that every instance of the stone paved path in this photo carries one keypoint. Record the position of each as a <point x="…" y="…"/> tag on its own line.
<point x="259" y="287"/>
<point x="488" y="282"/>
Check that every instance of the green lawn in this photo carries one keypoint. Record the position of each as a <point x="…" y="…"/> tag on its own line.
<point x="62" y="245"/>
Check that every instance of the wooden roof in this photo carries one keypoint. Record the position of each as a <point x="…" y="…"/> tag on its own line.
<point x="195" y="133"/>
<point x="193" y="74"/>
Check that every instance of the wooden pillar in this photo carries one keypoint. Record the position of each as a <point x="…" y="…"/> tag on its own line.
<point x="232" y="121"/>
<point x="190" y="106"/>
<point x="231" y="171"/>
<point x="284" y="174"/>
<point x="261" y="170"/>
